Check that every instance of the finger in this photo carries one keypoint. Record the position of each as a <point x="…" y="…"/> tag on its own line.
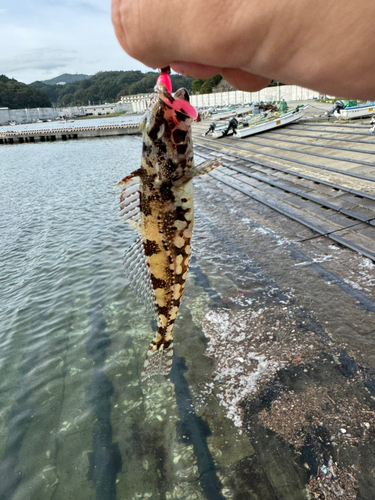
<point x="116" y="21"/>
<point x="238" y="78"/>
<point x="242" y="80"/>
<point x="195" y="70"/>
<point x="141" y="36"/>
<point x="157" y="33"/>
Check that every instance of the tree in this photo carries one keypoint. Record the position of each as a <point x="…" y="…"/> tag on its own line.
<point x="205" y="86"/>
<point x="15" y="95"/>
<point x="106" y="86"/>
<point x="196" y="85"/>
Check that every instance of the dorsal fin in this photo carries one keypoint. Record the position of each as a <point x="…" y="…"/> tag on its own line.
<point x="138" y="274"/>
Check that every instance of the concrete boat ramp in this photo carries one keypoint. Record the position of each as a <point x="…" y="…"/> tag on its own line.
<point x="318" y="173"/>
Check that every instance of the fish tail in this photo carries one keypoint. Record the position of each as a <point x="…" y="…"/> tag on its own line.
<point x="158" y="359"/>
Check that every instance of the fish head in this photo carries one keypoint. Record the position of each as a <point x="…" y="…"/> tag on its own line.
<point x="167" y="122"/>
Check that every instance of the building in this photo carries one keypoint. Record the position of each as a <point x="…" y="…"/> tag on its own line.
<point x="138" y="102"/>
<point x="101" y="109"/>
<point x="105" y="109"/>
<point x="4" y="115"/>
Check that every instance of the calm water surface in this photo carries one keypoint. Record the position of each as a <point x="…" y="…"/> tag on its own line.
<point x="75" y="421"/>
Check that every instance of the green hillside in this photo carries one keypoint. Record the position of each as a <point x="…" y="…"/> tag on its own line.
<point x="106" y="86"/>
<point x="67" y="78"/>
<point x="15" y="95"/>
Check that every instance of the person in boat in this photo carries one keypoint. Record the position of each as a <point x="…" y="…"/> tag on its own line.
<point x="232" y="125"/>
<point x="211" y="128"/>
<point x="291" y="46"/>
<point x="283" y="106"/>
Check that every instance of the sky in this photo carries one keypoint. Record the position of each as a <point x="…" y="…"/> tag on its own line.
<point x="42" y="39"/>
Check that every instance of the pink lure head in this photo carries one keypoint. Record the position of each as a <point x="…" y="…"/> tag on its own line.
<point x="165" y="80"/>
<point x="178" y="104"/>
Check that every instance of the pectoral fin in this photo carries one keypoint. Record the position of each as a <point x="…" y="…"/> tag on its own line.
<point x="204" y="167"/>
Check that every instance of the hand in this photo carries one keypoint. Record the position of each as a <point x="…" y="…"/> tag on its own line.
<point x="325" y="45"/>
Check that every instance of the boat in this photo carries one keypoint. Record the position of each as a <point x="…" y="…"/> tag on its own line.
<point x="224" y="115"/>
<point x="356" y="111"/>
<point x="244" y="110"/>
<point x="220" y="129"/>
<point x="271" y="122"/>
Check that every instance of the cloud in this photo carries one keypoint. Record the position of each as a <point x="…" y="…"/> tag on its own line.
<point x="39" y="59"/>
<point x="47" y="37"/>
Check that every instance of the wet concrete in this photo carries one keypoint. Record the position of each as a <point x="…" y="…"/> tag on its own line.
<point x="298" y="377"/>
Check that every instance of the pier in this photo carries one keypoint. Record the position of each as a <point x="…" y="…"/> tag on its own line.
<point x="67" y="133"/>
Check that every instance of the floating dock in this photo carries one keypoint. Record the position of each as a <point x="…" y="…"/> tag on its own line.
<point x="67" y="133"/>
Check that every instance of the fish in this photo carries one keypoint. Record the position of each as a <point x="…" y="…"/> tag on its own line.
<point x="157" y="201"/>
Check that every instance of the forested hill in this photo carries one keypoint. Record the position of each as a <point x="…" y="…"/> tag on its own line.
<point x="15" y="95"/>
<point x="106" y="86"/>
<point x="66" y="78"/>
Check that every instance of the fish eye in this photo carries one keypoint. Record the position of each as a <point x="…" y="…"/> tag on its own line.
<point x="182" y="93"/>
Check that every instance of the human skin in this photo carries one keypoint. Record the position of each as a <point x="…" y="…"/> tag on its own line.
<point x="325" y="45"/>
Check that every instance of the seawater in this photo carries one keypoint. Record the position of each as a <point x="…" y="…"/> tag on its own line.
<point x="61" y="249"/>
<point x="75" y="420"/>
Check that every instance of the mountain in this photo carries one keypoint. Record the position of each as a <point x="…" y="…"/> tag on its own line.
<point x="15" y="95"/>
<point x="65" y="78"/>
<point x="106" y="86"/>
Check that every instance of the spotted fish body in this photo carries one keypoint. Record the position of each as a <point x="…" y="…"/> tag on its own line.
<point x="158" y="201"/>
